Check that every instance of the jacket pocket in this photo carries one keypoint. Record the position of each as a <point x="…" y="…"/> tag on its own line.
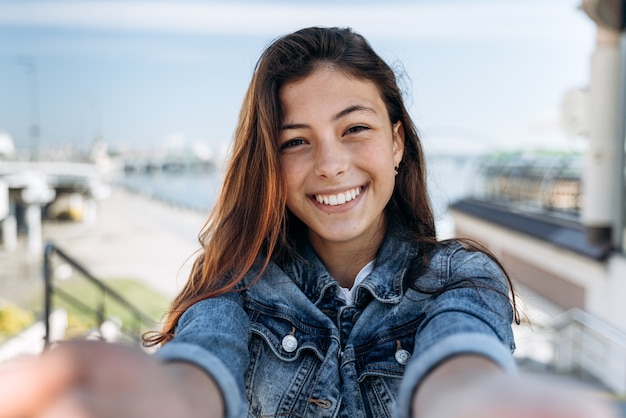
<point x="286" y="354"/>
<point x="286" y="335"/>
<point x="387" y="352"/>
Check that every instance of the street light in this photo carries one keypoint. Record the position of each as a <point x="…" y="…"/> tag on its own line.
<point x="30" y="68"/>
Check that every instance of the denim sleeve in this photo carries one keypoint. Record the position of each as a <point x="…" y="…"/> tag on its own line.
<point x="213" y="334"/>
<point x="471" y="318"/>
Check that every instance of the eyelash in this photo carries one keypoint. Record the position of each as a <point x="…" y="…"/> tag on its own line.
<point x="356" y="129"/>
<point x="291" y="143"/>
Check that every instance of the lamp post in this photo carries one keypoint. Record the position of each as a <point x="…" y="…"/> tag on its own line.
<point x="30" y="67"/>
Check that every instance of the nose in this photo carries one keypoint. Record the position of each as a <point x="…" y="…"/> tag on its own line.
<point x="331" y="158"/>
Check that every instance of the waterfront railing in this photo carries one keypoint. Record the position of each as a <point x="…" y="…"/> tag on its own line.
<point x="103" y="296"/>
<point x="590" y="347"/>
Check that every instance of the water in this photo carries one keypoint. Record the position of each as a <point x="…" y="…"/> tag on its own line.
<point x="197" y="191"/>
<point x="449" y="179"/>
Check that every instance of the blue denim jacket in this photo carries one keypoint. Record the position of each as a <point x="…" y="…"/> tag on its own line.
<point x="287" y="346"/>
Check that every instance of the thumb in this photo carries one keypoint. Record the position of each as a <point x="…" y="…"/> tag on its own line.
<point x="28" y="385"/>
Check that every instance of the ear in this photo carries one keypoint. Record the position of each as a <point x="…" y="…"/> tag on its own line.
<point x="398" y="142"/>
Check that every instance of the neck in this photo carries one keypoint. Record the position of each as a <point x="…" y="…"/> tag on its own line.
<point x="344" y="260"/>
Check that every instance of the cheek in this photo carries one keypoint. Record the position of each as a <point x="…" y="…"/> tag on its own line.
<point x="381" y="158"/>
<point x="293" y="180"/>
<point x="291" y="165"/>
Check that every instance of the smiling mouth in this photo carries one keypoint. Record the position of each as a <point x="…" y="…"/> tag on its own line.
<point x="339" y="198"/>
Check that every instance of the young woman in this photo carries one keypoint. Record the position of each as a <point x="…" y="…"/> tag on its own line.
<point x="321" y="290"/>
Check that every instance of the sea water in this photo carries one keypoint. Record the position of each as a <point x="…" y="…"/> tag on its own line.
<point x="196" y="191"/>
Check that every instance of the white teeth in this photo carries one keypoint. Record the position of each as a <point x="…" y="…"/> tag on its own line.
<point x="339" y="198"/>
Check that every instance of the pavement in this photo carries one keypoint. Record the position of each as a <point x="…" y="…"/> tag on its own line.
<point x="132" y="237"/>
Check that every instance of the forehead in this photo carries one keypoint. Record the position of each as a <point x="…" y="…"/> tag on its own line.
<point x="328" y="89"/>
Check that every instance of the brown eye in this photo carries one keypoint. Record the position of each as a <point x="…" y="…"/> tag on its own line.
<point x="356" y="129"/>
<point x="291" y="143"/>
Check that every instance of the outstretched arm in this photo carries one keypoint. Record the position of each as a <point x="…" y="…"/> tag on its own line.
<point x="86" y="378"/>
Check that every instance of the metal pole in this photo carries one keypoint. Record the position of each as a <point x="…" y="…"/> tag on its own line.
<point x="620" y="174"/>
<point x="47" y="304"/>
<point x="30" y="68"/>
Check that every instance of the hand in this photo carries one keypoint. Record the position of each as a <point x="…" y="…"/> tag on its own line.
<point x="82" y="379"/>
<point x="525" y="397"/>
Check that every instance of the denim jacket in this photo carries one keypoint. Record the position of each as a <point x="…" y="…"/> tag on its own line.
<point x="287" y="346"/>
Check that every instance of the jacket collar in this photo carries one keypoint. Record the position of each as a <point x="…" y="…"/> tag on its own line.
<point x="384" y="283"/>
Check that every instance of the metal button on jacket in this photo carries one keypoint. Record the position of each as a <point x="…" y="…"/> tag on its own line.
<point x="290" y="343"/>
<point x="402" y="356"/>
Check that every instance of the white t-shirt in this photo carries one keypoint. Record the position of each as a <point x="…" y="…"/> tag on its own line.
<point x="348" y="294"/>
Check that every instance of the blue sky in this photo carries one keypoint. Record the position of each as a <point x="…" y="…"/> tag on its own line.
<point x="485" y="74"/>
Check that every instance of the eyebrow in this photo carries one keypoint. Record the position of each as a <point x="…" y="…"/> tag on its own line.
<point x="351" y="109"/>
<point x="345" y="112"/>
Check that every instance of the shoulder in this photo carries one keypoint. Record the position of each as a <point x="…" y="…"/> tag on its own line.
<point x="453" y="260"/>
<point x="227" y="305"/>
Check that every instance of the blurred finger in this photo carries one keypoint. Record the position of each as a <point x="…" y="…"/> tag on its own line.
<point x="538" y="398"/>
<point x="28" y="385"/>
<point x="69" y="405"/>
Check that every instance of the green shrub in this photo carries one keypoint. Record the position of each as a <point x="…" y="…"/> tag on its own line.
<point x="13" y="319"/>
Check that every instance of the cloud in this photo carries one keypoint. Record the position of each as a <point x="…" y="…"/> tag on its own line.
<point x="459" y="20"/>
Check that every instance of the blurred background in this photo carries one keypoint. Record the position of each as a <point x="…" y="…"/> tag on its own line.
<point x="115" y="118"/>
<point x="143" y="75"/>
<point x="151" y="85"/>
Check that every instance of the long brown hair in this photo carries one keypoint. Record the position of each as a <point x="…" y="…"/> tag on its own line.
<point x="250" y="217"/>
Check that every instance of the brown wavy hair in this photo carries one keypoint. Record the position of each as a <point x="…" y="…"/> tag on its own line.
<point x="250" y="217"/>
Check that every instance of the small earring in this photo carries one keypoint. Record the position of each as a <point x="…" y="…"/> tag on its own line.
<point x="395" y="170"/>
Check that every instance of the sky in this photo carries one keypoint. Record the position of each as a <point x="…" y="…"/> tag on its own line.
<point x="477" y="74"/>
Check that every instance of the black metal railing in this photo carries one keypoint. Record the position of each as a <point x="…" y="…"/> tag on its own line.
<point x="140" y="321"/>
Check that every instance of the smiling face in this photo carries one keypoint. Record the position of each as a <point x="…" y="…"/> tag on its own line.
<point x="338" y="152"/>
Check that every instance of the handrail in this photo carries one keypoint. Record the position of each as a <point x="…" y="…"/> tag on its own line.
<point x="50" y="249"/>
<point x="588" y="321"/>
<point x="589" y="345"/>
